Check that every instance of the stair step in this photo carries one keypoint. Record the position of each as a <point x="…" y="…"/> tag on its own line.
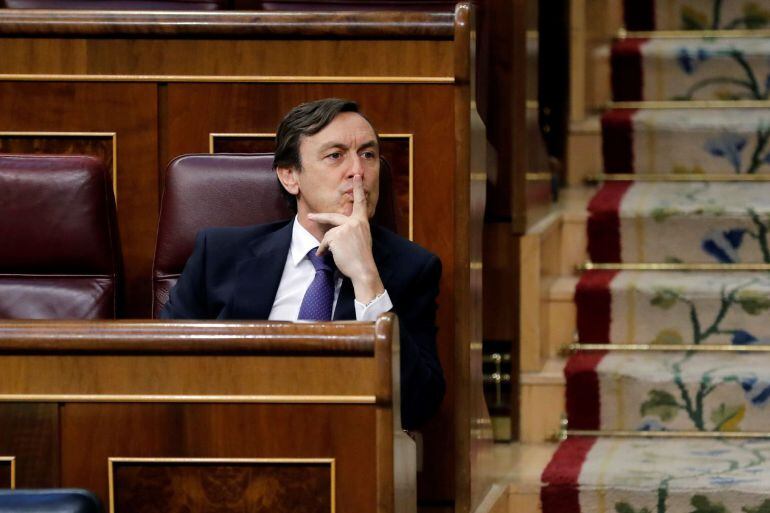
<point x="691" y="141"/>
<point x="671" y="391"/>
<point x="516" y="468"/>
<point x="542" y="402"/>
<point x="695" y="15"/>
<point x="660" y="69"/>
<point x="653" y="307"/>
<point x="590" y="475"/>
<point x="692" y="222"/>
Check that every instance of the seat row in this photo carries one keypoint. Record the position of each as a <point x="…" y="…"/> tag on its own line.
<point x="60" y="254"/>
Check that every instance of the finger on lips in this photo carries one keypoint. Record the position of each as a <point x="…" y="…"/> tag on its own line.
<point x="359" y="197"/>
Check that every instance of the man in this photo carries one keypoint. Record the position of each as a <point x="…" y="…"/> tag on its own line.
<point x="328" y="262"/>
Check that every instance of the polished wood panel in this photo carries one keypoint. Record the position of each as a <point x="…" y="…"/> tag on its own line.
<point x="183" y="486"/>
<point x="128" y="110"/>
<point x="362" y="24"/>
<point x="182" y="59"/>
<point x="30" y="434"/>
<point x="76" y="437"/>
<point x="97" y="432"/>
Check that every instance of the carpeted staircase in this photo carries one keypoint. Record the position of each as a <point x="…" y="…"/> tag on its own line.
<point x="668" y="393"/>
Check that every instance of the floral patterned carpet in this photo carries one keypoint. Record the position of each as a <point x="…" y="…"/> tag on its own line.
<point x="655" y="427"/>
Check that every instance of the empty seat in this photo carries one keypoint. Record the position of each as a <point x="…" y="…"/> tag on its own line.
<point x="60" y="252"/>
<point x="205" y="190"/>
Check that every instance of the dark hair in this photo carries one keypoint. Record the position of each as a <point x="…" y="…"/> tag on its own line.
<point x="303" y="120"/>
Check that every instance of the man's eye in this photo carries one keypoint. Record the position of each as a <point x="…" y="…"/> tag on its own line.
<point x="334" y="156"/>
<point x="369" y="155"/>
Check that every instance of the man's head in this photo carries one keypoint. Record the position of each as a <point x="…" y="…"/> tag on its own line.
<point x="320" y="147"/>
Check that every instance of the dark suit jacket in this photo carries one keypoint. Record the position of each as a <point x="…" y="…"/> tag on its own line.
<point x="234" y="273"/>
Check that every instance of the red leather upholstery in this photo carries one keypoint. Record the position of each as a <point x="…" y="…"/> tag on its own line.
<point x="155" y="5"/>
<point x="60" y="251"/>
<point x="205" y="190"/>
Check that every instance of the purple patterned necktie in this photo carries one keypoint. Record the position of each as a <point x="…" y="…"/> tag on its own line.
<point x="319" y="298"/>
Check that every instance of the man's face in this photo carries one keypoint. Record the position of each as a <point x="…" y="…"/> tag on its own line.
<point x="330" y="159"/>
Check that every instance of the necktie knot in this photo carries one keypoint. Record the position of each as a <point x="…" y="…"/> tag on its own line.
<point x="324" y="262"/>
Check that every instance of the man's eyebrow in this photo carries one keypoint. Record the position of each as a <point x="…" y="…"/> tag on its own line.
<point x="331" y="145"/>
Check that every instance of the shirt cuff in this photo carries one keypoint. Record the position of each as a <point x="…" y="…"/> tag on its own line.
<point x="374" y="308"/>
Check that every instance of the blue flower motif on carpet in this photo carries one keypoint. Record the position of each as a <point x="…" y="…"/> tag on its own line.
<point x="743" y="338"/>
<point x="651" y="425"/>
<point x="758" y="392"/>
<point x="688" y="61"/>
<point x="724" y="245"/>
<point x="728" y="146"/>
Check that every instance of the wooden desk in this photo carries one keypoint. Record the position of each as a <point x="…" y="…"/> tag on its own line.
<point x="184" y="416"/>
<point x="139" y="89"/>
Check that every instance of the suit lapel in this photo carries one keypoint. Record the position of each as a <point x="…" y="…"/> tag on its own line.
<point x="260" y="275"/>
<point x="346" y="310"/>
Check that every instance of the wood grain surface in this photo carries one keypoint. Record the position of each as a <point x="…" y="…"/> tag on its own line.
<point x="91" y="434"/>
<point x="280" y="487"/>
<point x="294" y="25"/>
<point x="30" y="433"/>
<point x="237" y="60"/>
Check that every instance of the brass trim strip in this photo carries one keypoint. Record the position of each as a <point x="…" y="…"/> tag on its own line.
<point x="533" y="104"/>
<point x="664" y="266"/>
<point x="408" y="136"/>
<point x="478" y="177"/>
<point x="655" y="177"/>
<point x="476" y="266"/>
<point x="691" y="104"/>
<point x="171" y="398"/>
<point x="668" y="434"/>
<point x="706" y="348"/>
<point x="278" y="79"/>
<point x="542" y="176"/>
<point x="694" y="34"/>
<point x="112" y="135"/>
<point x="12" y="461"/>
<point x="112" y="461"/>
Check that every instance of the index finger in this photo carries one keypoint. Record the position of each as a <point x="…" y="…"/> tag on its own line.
<point x="359" y="198"/>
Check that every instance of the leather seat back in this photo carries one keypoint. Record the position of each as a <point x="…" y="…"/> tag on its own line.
<point x="60" y="250"/>
<point x="207" y="190"/>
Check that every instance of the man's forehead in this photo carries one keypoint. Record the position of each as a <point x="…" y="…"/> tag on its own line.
<point x="347" y="128"/>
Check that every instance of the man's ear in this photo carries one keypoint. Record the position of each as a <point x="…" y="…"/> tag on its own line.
<point x="289" y="179"/>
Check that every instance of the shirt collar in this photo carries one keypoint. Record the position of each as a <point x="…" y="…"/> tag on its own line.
<point x="302" y="241"/>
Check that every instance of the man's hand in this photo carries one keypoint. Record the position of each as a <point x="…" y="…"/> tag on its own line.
<point x="350" y="241"/>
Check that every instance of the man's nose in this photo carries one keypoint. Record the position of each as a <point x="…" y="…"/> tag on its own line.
<point x="357" y="166"/>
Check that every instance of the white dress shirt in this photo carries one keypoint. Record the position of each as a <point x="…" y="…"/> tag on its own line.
<point x="298" y="274"/>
